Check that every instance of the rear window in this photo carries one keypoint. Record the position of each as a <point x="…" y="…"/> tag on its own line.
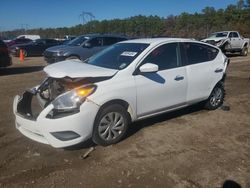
<point x="198" y="53"/>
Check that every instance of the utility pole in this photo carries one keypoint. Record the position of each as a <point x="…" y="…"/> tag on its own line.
<point x="24" y="27"/>
<point x="86" y="17"/>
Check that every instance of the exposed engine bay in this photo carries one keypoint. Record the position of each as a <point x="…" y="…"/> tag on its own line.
<point x="53" y="87"/>
<point x="48" y="91"/>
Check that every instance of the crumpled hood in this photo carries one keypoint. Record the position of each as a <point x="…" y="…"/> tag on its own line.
<point x="77" y="69"/>
<point x="216" y="39"/>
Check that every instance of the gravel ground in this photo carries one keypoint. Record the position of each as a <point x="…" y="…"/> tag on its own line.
<point x="191" y="147"/>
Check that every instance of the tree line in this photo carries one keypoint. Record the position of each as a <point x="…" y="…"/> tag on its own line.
<point x="195" y="25"/>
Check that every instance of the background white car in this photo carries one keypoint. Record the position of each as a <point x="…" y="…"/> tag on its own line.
<point x="126" y="82"/>
<point x="229" y="41"/>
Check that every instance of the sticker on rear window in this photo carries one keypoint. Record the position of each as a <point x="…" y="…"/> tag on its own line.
<point x="131" y="54"/>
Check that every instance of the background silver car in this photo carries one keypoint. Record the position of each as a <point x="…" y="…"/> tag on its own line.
<point x="81" y="47"/>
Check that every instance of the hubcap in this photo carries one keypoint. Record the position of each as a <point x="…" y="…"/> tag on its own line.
<point x="216" y="97"/>
<point x="111" y="126"/>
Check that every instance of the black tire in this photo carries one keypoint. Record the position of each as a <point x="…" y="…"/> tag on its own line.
<point x="102" y="117"/>
<point x="244" y="51"/>
<point x="72" y="57"/>
<point x="225" y="47"/>
<point x="216" y="98"/>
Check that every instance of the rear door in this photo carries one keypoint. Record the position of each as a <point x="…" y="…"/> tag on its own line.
<point x="204" y="69"/>
<point x="165" y="89"/>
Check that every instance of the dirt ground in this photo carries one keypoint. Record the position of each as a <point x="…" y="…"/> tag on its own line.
<point x="188" y="148"/>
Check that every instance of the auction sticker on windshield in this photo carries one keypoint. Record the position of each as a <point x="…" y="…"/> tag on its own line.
<point x="131" y="54"/>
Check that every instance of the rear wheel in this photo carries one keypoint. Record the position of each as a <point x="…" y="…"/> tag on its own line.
<point x="216" y="98"/>
<point x="244" y="51"/>
<point x="110" y="125"/>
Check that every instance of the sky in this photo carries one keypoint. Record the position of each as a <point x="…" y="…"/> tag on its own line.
<point x="64" y="13"/>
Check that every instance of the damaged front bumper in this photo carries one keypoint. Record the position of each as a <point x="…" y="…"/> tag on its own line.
<point x="60" y="130"/>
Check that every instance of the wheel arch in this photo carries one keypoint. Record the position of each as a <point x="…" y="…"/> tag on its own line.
<point x="121" y="102"/>
<point x="73" y="55"/>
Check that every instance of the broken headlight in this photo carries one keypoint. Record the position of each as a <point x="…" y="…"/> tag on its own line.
<point x="72" y="99"/>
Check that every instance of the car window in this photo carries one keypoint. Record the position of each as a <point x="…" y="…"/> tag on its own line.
<point x="77" y="41"/>
<point x="221" y="34"/>
<point x="235" y="35"/>
<point x="198" y="53"/>
<point x="23" y="40"/>
<point x="165" y="56"/>
<point x="96" y="42"/>
<point x="40" y="41"/>
<point x="109" y="41"/>
<point x="117" y="56"/>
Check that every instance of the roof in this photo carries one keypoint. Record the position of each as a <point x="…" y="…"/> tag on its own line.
<point x="158" y="40"/>
<point x="103" y="35"/>
<point x="225" y="31"/>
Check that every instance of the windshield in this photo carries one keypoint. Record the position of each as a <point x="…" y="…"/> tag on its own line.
<point x="77" y="41"/>
<point x="117" y="56"/>
<point x="222" y="34"/>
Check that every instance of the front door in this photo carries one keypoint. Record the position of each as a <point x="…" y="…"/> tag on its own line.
<point x="164" y="89"/>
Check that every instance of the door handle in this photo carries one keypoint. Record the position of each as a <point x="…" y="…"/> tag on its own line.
<point x="178" y="78"/>
<point x="218" y="70"/>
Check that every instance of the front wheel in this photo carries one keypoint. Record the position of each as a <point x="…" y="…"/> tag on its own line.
<point x="244" y="51"/>
<point x="110" y="125"/>
<point x="216" y="98"/>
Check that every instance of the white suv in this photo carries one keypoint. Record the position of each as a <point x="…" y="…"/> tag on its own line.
<point x="126" y="82"/>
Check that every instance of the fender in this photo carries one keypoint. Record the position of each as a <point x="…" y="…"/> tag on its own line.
<point x="245" y="44"/>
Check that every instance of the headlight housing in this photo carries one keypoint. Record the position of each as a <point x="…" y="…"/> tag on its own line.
<point x="218" y="43"/>
<point x="72" y="100"/>
<point x="59" y="53"/>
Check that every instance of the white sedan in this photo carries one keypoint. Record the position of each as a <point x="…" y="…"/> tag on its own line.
<point x="129" y="81"/>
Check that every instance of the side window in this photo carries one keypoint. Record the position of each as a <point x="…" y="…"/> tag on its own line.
<point x="121" y="39"/>
<point x="235" y="35"/>
<point x="164" y="56"/>
<point x="198" y="53"/>
<point x="231" y="35"/>
<point x="109" y="41"/>
<point x="96" y="42"/>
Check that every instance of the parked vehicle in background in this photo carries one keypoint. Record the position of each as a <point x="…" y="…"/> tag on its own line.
<point x="34" y="48"/>
<point x="32" y="37"/>
<point x="68" y="39"/>
<point x="229" y="41"/>
<point x="81" y="47"/>
<point x="126" y="82"/>
<point x="5" y="59"/>
<point x="18" y="41"/>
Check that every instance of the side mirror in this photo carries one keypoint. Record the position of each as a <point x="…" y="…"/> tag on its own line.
<point x="149" y="67"/>
<point x="87" y="45"/>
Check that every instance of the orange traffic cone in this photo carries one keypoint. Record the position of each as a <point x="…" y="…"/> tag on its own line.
<point x="21" y="56"/>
